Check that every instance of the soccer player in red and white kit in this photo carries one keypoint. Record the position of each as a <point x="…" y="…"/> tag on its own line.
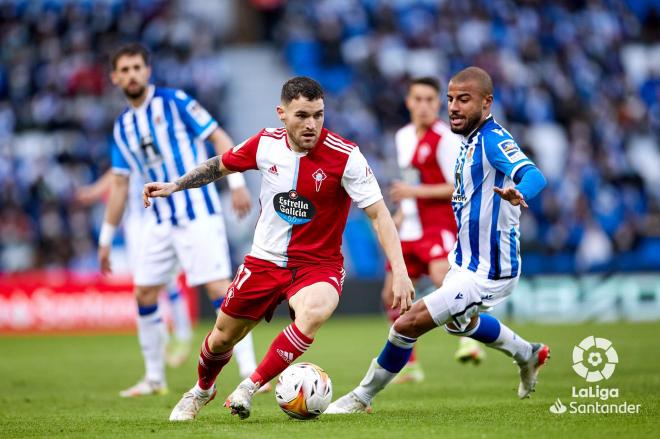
<point x="426" y="153"/>
<point x="309" y="177"/>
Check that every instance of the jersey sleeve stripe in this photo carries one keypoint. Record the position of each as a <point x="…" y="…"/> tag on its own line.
<point x="519" y="166"/>
<point x="338" y="142"/>
<point x="337" y="149"/>
<point x="336" y="145"/>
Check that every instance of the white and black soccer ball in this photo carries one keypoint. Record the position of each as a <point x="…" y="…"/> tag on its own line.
<point x="303" y="391"/>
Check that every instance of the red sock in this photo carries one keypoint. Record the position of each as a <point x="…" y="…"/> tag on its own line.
<point x="287" y="346"/>
<point x="210" y="364"/>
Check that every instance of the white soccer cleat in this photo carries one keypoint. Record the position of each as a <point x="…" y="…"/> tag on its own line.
<point x="240" y="400"/>
<point x="190" y="405"/>
<point x="347" y="405"/>
<point x="145" y="388"/>
<point x="529" y="370"/>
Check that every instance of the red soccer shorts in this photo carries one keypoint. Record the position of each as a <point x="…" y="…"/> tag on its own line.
<point x="259" y="286"/>
<point x="418" y="254"/>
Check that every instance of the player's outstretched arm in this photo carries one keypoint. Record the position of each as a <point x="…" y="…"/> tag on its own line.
<point x="207" y="172"/>
<point x="402" y="287"/>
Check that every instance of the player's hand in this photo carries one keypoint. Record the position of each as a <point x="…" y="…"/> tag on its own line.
<point x="400" y="190"/>
<point x="512" y="195"/>
<point x="240" y="201"/>
<point x="157" y="189"/>
<point x="404" y="292"/>
<point x="104" y="259"/>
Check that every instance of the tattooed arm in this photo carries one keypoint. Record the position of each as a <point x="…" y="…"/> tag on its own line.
<point x="209" y="171"/>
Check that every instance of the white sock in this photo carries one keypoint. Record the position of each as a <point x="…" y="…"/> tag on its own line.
<point x="512" y="344"/>
<point x="244" y="354"/>
<point x="180" y="317"/>
<point x="201" y="392"/>
<point x="152" y="334"/>
<point x="373" y="382"/>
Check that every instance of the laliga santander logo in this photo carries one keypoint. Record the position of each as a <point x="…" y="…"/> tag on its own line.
<point x="600" y="356"/>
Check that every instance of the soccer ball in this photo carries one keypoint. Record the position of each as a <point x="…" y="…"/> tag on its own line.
<point x="303" y="391"/>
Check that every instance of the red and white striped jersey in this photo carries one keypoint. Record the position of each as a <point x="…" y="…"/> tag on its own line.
<point x="305" y="197"/>
<point x="427" y="160"/>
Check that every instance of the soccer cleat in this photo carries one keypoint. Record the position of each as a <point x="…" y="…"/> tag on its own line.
<point x="190" y="405"/>
<point x="529" y="370"/>
<point x="411" y="373"/>
<point x="178" y="352"/>
<point x="347" y="405"/>
<point x="145" y="388"/>
<point x="469" y="350"/>
<point x="240" y="400"/>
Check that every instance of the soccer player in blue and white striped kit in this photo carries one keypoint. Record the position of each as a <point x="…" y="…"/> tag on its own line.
<point x="160" y="136"/>
<point x="493" y="178"/>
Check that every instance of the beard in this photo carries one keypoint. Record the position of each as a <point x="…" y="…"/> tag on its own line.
<point x="136" y="93"/>
<point x="471" y="122"/>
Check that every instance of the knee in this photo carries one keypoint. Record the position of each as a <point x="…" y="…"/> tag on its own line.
<point x="315" y="313"/>
<point x="411" y="325"/>
<point x="471" y="327"/>
<point x="221" y="340"/>
<point x="147" y="295"/>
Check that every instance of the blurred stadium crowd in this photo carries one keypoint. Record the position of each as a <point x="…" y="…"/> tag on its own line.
<point x="577" y="83"/>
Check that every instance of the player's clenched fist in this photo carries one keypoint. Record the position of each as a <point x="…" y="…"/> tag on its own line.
<point x="404" y="292"/>
<point x="157" y="189"/>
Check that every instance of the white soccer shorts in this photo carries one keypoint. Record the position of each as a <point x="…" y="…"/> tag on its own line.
<point x="464" y="294"/>
<point x="199" y="247"/>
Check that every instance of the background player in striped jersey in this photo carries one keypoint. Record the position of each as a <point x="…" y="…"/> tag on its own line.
<point x="178" y="347"/>
<point x="309" y="177"/>
<point x="485" y="263"/>
<point x="161" y="135"/>
<point x="426" y="153"/>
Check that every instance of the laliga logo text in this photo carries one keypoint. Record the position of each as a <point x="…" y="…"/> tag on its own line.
<point x="594" y="359"/>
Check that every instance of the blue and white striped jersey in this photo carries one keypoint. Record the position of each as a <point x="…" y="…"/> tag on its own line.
<point x="161" y="141"/>
<point x="488" y="227"/>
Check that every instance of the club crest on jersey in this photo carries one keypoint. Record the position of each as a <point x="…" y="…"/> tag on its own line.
<point x="423" y="152"/>
<point x="293" y="207"/>
<point x="319" y="176"/>
<point x="511" y="150"/>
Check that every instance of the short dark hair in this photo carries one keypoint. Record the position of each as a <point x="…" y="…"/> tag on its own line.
<point x="478" y="75"/>
<point x="130" y="49"/>
<point x="424" y="80"/>
<point x="301" y="86"/>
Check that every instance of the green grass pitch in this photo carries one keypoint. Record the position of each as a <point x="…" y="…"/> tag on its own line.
<point x="66" y="386"/>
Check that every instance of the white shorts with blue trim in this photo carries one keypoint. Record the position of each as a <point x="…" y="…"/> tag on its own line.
<point x="464" y="294"/>
<point x="199" y="247"/>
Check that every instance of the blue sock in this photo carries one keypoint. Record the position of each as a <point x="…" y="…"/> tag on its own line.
<point x="488" y="329"/>
<point x="396" y="352"/>
<point x="147" y="309"/>
<point x="217" y="303"/>
<point x="173" y="294"/>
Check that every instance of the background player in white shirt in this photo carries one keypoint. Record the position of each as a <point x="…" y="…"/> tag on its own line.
<point x="178" y="348"/>
<point x="161" y="134"/>
<point x="493" y="179"/>
<point x="426" y="153"/>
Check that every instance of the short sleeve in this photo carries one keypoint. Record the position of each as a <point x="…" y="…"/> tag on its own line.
<point x="505" y="155"/>
<point x="194" y="116"/>
<point x="359" y="181"/>
<point x="243" y="156"/>
<point x="118" y="161"/>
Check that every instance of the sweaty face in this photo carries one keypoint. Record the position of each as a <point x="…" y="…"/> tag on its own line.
<point x="131" y="75"/>
<point x="303" y="120"/>
<point x="467" y="106"/>
<point x="423" y="102"/>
